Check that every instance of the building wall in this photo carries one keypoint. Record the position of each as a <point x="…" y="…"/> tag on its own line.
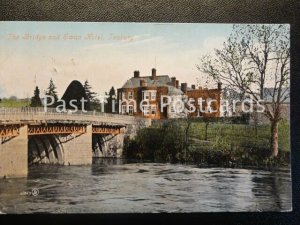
<point x="138" y="98"/>
<point x="173" y="86"/>
<point x="206" y="94"/>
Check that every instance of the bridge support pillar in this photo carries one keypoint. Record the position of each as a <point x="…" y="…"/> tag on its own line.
<point x="78" y="151"/>
<point x="14" y="155"/>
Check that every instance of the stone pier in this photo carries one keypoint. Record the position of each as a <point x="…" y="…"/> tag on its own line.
<point x="14" y="155"/>
<point x="77" y="150"/>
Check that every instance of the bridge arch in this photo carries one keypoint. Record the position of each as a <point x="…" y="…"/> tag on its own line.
<point x="45" y="149"/>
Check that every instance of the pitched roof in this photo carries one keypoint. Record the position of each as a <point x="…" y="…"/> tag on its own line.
<point x="161" y="81"/>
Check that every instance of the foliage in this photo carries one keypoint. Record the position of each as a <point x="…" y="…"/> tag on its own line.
<point x="36" y="100"/>
<point x="227" y="144"/>
<point x="164" y="143"/>
<point x="91" y="96"/>
<point x="111" y="96"/>
<point x="51" y="91"/>
<point x="75" y="91"/>
<point x="254" y="60"/>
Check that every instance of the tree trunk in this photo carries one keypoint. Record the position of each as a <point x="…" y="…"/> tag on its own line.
<point x="274" y="138"/>
<point x="187" y="140"/>
<point x="206" y="128"/>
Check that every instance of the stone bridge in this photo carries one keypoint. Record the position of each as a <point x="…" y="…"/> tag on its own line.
<point x="32" y="136"/>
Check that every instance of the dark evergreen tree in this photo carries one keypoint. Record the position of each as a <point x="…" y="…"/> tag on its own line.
<point x="91" y="95"/>
<point x="36" y="100"/>
<point x="88" y="90"/>
<point x="112" y="96"/>
<point x="75" y="91"/>
<point x="51" y="91"/>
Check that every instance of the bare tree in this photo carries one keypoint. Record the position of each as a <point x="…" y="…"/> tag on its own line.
<point x="254" y="61"/>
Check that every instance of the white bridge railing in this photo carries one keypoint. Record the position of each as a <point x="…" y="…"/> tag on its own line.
<point x="38" y="114"/>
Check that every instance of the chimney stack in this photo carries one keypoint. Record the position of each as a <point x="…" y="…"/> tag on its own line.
<point x="136" y="73"/>
<point x="173" y="79"/>
<point x="184" y="87"/>
<point x="153" y="74"/>
<point x="219" y="86"/>
<point x="177" y="83"/>
<point x="193" y="86"/>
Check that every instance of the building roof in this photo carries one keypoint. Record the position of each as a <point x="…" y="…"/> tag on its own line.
<point x="285" y="94"/>
<point x="160" y="81"/>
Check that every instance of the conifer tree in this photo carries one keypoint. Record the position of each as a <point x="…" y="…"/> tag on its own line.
<point x="36" y="100"/>
<point x="91" y="95"/>
<point x="51" y="91"/>
<point x="111" y="94"/>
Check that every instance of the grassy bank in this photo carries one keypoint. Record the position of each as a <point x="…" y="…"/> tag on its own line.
<point x="14" y="103"/>
<point x="214" y="143"/>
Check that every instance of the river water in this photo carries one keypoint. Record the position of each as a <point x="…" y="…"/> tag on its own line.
<point x="112" y="185"/>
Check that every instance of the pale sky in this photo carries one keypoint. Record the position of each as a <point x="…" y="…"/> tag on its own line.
<point x="104" y="62"/>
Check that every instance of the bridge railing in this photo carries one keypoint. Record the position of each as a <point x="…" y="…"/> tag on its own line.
<point x="38" y="114"/>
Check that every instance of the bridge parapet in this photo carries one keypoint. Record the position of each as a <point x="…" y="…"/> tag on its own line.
<point x="38" y="114"/>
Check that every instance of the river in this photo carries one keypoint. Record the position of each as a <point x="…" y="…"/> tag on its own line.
<point x="112" y="185"/>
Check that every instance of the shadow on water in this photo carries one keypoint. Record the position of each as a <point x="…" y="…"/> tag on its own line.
<point x="275" y="188"/>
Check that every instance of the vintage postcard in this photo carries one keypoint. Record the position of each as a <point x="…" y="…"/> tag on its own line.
<point x="144" y="117"/>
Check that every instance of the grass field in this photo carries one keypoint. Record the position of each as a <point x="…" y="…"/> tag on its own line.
<point x="241" y="134"/>
<point x="12" y="103"/>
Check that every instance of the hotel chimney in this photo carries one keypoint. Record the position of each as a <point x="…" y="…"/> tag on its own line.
<point x="153" y="74"/>
<point x="173" y="80"/>
<point x="184" y="87"/>
<point x="193" y="86"/>
<point x="219" y="86"/>
<point x="136" y="74"/>
<point x="177" y="83"/>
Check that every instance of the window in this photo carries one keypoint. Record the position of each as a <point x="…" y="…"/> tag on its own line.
<point x="153" y="95"/>
<point x="153" y="109"/>
<point x="130" y="109"/>
<point x="130" y="95"/>
<point x="145" y="95"/>
<point x="172" y="110"/>
<point x="146" y="110"/>
<point x="122" y="95"/>
<point x="124" y="109"/>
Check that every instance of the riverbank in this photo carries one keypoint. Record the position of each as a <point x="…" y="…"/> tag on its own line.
<point x="215" y="143"/>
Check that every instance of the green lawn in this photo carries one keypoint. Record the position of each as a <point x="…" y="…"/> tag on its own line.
<point x="14" y="103"/>
<point x="241" y="134"/>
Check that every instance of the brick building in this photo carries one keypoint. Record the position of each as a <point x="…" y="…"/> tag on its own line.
<point x="157" y="95"/>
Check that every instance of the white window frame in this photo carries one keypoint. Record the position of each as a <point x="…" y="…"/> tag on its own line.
<point x="153" y="107"/>
<point x="130" y="109"/>
<point x="146" y="110"/>
<point x="172" y="110"/>
<point x="153" y="95"/>
<point x="122" y="95"/>
<point x="130" y="95"/>
<point x="146" y="95"/>
<point x="124" y="109"/>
